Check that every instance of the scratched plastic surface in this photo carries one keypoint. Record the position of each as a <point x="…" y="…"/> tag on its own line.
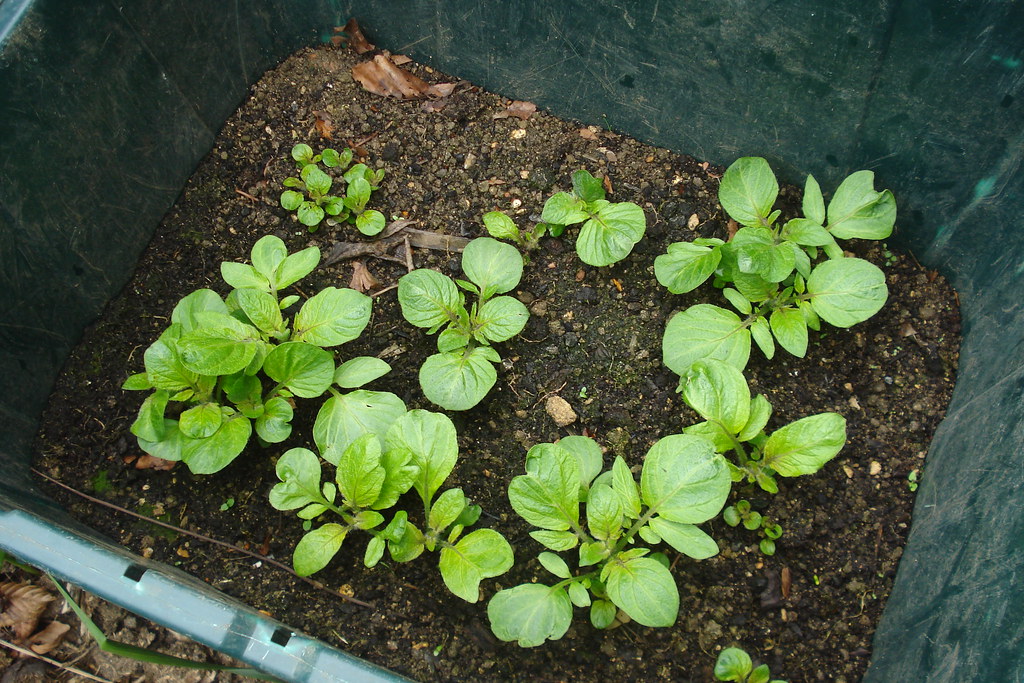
<point x="105" y="108"/>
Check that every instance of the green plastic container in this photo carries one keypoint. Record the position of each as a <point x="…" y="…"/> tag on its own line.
<point x="105" y="109"/>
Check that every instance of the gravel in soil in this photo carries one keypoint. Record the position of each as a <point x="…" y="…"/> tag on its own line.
<point x="593" y="339"/>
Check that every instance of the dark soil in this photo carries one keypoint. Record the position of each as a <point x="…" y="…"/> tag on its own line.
<point x="594" y="339"/>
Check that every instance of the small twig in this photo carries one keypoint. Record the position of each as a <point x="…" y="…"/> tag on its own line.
<point x="374" y="295"/>
<point x="54" y="662"/>
<point x="247" y="195"/>
<point x="408" y="254"/>
<point x="208" y="539"/>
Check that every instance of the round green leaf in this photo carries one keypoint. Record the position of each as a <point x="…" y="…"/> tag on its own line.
<point x="201" y="421"/>
<point x="267" y="254"/>
<point x="847" y="291"/>
<point x="611" y="233"/>
<point x="705" y="331"/>
<point x="305" y="370"/>
<point x="332" y="316"/>
<point x="479" y="555"/>
<point x="802" y="447"/>
<point x="345" y="417"/>
<point x="501" y="318"/>
<point x="431" y="441"/>
<point x="299" y="472"/>
<point x="274" y="425"/>
<point x="686" y="266"/>
<point x="857" y="211"/>
<point x="315" y="179"/>
<point x="530" y="614"/>
<point x="748" y="191"/>
<point x="220" y="345"/>
<point x="371" y="222"/>
<point x="733" y="665"/>
<point x="291" y="200"/>
<point x="492" y="264"/>
<point x="458" y="380"/>
<point x="214" y="453"/>
<point x="563" y="209"/>
<point x="428" y="299"/>
<point x="684" y="480"/>
<point x="644" y="589"/>
<point x="187" y="310"/>
<point x="310" y="214"/>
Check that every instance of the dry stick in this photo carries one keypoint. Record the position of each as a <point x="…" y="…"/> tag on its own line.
<point x="54" y="662"/>
<point x="208" y="539"/>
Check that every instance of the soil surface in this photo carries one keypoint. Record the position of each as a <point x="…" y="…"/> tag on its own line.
<point x="594" y="339"/>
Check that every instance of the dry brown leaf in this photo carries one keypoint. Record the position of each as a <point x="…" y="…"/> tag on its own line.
<point x="588" y="134"/>
<point x="356" y="40"/>
<point x="49" y="638"/>
<point x="149" y="462"/>
<point x="519" y="109"/>
<point x="381" y="77"/>
<point x="323" y="125"/>
<point x="399" y="60"/>
<point x="22" y="604"/>
<point x="362" y="280"/>
<point x="733" y="227"/>
<point x="607" y="182"/>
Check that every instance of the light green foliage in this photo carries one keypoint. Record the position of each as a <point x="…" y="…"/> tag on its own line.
<point x="734" y="664"/>
<point x="772" y="273"/>
<point x="311" y="198"/>
<point x="752" y="520"/>
<point x="227" y="367"/>
<point x="501" y="227"/>
<point x="462" y="372"/>
<point x="417" y="451"/>
<point x="683" y="483"/>
<point x="610" y="229"/>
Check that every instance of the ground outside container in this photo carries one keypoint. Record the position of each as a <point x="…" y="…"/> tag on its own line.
<point x="105" y="109"/>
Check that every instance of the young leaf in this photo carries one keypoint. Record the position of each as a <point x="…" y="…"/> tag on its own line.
<point x="564" y="209"/>
<point x="479" y="555"/>
<point x="452" y="339"/>
<point x="790" y="329"/>
<point x="260" y="308"/>
<point x="802" y="447"/>
<point x="220" y="345"/>
<point x="624" y="486"/>
<point x="310" y="214"/>
<point x="490" y="263"/>
<point x="446" y="509"/>
<point x="686" y="266"/>
<point x="274" y="425"/>
<point x="748" y="191"/>
<point x="733" y="665"/>
<point x="857" y="211"/>
<point x="847" y="291"/>
<point x="150" y="424"/>
<point x="187" y="311"/>
<point x="610" y="234"/>
<point x="428" y="299"/>
<point x="705" y="331"/>
<point x="214" y="453"/>
<point x="684" y="480"/>
<point x="299" y="472"/>
<point x="458" y="380"/>
<point x="807" y="232"/>
<point x="358" y="191"/>
<point x="356" y="372"/>
<point x="164" y="369"/>
<point x="579" y="595"/>
<point x="530" y="614"/>
<point x="171" y="443"/>
<point x="643" y="588"/>
<point x="501" y="318"/>
<point x="547" y="496"/>
<point x="201" y="421"/>
<point x="291" y="200"/>
<point x="317" y="548"/>
<point x="316" y="180"/>
<point x="588" y="455"/>
<point x="760" y="411"/>
<point x="686" y="538"/>
<point x="718" y="392"/>
<point x="762" y="335"/>
<point x="432" y="443"/>
<point x="305" y="370"/>
<point x="500" y="226"/>
<point x="345" y="417"/>
<point x="371" y="222"/>
<point x="332" y="316"/>
<point x="603" y="613"/>
<point x="587" y="187"/>
<point x="813" y="204"/>
<point x="604" y="513"/>
<point x="295" y="267"/>
<point x="360" y="475"/>
<point x="738" y="301"/>
<point x="555" y="564"/>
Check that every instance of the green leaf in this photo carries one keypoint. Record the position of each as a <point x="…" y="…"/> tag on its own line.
<point x="360" y="475"/>
<point x="214" y="453"/>
<point x="604" y="513"/>
<point x="760" y="411"/>
<point x="501" y="318"/>
<point x="299" y="472"/>
<point x="458" y="380"/>
<point x="733" y="665"/>
<point x="302" y="153"/>
<point x="762" y="335"/>
<point x="150" y="424"/>
<point x="345" y="417"/>
<point x="857" y="211"/>
<point x="705" y="331"/>
<point x="806" y="232"/>
<point x="813" y="204"/>
<point x="446" y="509"/>
<point x="316" y="180"/>
<point x="554" y="564"/>
<point x="295" y="267"/>
<point x="624" y="486"/>
<point x="530" y="614"/>
<point x="738" y="301"/>
<point x="603" y="613"/>
<point x="432" y="442"/>
<point x="847" y="291"/>
<point x="757" y="252"/>
<point x="490" y="263"/>
<point x="409" y="547"/>
<point x="188" y="311"/>
<point x="588" y="455"/>
<point x="359" y="192"/>
<point x="802" y="447"/>
<point x="547" y="496"/>
<point x="718" y="392"/>
<point x="332" y="316"/>
<point x="500" y="226"/>
<point x="374" y="551"/>
<point x="592" y="553"/>
<point x="643" y="588"/>
<point x="587" y="187"/>
<point x="790" y="329"/>
<point x="220" y="345"/>
<point x="555" y="540"/>
<point x="713" y="432"/>
<point x="310" y="214"/>
<point x="291" y="200"/>
<point x="428" y="299"/>
<point x="356" y="372"/>
<point x="564" y="209"/>
<point x="169" y="447"/>
<point x="684" y="480"/>
<point x="686" y="266"/>
<point x="579" y="595"/>
<point x="686" y="538"/>
<point x="401" y="474"/>
<point x="610" y="234"/>
<point x="164" y="368"/>
<point x="305" y="370"/>
<point x="317" y="548"/>
<point x="201" y="421"/>
<point x="371" y="222"/>
<point x="452" y="339"/>
<point x="274" y="425"/>
<point x="260" y="308"/>
<point x="267" y="254"/>
<point x="139" y="382"/>
<point x="479" y="555"/>
<point x="748" y="191"/>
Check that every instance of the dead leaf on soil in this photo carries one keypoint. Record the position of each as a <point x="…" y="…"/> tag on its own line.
<point x="381" y="77"/>
<point x="362" y="280"/>
<point x="49" y="638"/>
<point x="399" y="60"/>
<point x="149" y="462"/>
<point x="22" y="603"/>
<point x="356" y="40"/>
<point x="607" y="182"/>
<point x="589" y="133"/>
<point x="323" y="125"/>
<point x="733" y="228"/>
<point x="519" y="109"/>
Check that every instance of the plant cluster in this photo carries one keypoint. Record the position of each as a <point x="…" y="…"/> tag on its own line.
<point x="742" y="513"/>
<point x="225" y="366"/>
<point x="501" y="227"/>
<point x="461" y="373"/>
<point x="683" y="483"/>
<point x="311" y="198"/>
<point x="417" y="451"/>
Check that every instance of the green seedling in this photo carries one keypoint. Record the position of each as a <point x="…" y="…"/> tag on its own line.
<point x="500" y="226"/>
<point x="683" y="483"/>
<point x="227" y="504"/>
<point x="734" y="423"/>
<point x="311" y="198"/>
<point x="610" y="229"/>
<point x="228" y="365"/>
<point x="741" y="513"/>
<point x="912" y="480"/>
<point x="770" y="272"/>
<point x="734" y="664"/>
<point x="462" y="372"/>
<point x="418" y="451"/>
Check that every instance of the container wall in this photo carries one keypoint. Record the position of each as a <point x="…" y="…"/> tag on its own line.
<point x="105" y="109"/>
